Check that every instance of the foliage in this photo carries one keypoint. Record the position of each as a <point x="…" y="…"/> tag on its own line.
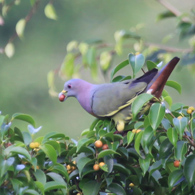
<point x="154" y="155"/>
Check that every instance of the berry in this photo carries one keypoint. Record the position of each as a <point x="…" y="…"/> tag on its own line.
<point x="138" y="130"/>
<point x="98" y="144"/>
<point x="134" y="130"/>
<point x="62" y="97"/>
<point x="131" y="184"/>
<point x="105" y="147"/>
<point x="32" y="145"/>
<point x="176" y="163"/>
<point x="101" y="164"/>
<point x="189" y="111"/>
<point x="36" y="144"/>
<point x="192" y="108"/>
<point x="96" y="167"/>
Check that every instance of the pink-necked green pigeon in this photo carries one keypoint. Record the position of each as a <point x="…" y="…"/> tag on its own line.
<point x="114" y="100"/>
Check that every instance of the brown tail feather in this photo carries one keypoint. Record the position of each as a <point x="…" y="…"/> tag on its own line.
<point x="157" y="84"/>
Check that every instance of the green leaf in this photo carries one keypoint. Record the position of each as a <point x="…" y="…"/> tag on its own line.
<point x="53" y="185"/>
<point x="50" y="12"/>
<point x="155" y="166"/>
<point x="20" y="26"/>
<point x="147" y="138"/>
<point x="180" y="150"/>
<point x="56" y="177"/>
<point x="180" y="125"/>
<point x="165" y="14"/>
<point x="106" y="152"/>
<point x="121" y="169"/>
<point x="169" y="100"/>
<point x="50" y="152"/>
<point x="136" y="62"/>
<point x="119" y="67"/>
<point x="59" y="168"/>
<point x="130" y="137"/>
<point x="172" y="135"/>
<point x="40" y="176"/>
<point x="23" y="117"/>
<point x="156" y="114"/>
<point x="31" y="192"/>
<point x="17" y="150"/>
<point x="165" y="148"/>
<point x="118" y="78"/>
<point x="9" y="50"/>
<point x="84" y="142"/>
<point x="174" y="177"/>
<point x="174" y="85"/>
<point x="139" y="102"/>
<point x="189" y="171"/>
<point x="145" y="163"/>
<point x="109" y="161"/>
<point x="91" y="188"/>
<point x="67" y="67"/>
<point x="138" y="141"/>
<point x="150" y="65"/>
<point x="117" y="189"/>
<point x="5" y="164"/>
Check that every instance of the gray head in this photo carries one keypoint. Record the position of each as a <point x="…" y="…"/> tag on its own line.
<point x="74" y="87"/>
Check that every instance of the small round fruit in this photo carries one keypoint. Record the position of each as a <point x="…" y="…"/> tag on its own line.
<point x="101" y="164"/>
<point x="36" y="144"/>
<point x="68" y="167"/>
<point x="105" y="147"/>
<point x="138" y="130"/>
<point x="62" y="97"/>
<point x="32" y="145"/>
<point x="192" y="108"/>
<point x="134" y="130"/>
<point x="176" y="163"/>
<point x="98" y="144"/>
<point x="189" y="111"/>
<point x="131" y="184"/>
<point x="96" y="167"/>
<point x="179" y="117"/>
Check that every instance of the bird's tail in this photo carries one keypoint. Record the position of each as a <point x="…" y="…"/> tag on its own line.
<point x="157" y="84"/>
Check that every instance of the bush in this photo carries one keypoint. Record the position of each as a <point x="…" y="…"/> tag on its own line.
<point x="153" y="155"/>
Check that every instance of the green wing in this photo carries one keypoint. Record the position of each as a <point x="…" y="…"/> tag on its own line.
<point x="108" y="99"/>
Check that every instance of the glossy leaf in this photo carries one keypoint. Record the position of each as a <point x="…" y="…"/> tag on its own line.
<point x="50" y="152"/>
<point x="119" y="67"/>
<point x="117" y="189"/>
<point x="189" y="171"/>
<point x="106" y="152"/>
<point x="169" y="100"/>
<point x="155" y="166"/>
<point x="145" y="163"/>
<point x="139" y="102"/>
<point x="174" y="177"/>
<point x="130" y="137"/>
<point x="136" y="62"/>
<point x="172" y="135"/>
<point x="174" y="85"/>
<point x="147" y="138"/>
<point x="180" y="150"/>
<point x="56" y="177"/>
<point x="165" y="148"/>
<point x="40" y="176"/>
<point x="180" y="125"/>
<point x="156" y="114"/>
<point x="150" y="65"/>
<point x="91" y="188"/>
<point x="138" y="142"/>
<point x="59" y="168"/>
<point x="24" y="117"/>
<point x="53" y="185"/>
<point x="84" y="142"/>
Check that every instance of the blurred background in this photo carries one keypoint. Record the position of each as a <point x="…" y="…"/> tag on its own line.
<point x="23" y="78"/>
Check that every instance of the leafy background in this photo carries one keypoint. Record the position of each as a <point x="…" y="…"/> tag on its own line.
<point x="23" y="77"/>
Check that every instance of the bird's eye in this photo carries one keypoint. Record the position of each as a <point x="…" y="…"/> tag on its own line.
<point x="69" y="86"/>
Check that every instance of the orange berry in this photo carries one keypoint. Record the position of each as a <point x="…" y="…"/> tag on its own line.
<point x="68" y="167"/>
<point x="131" y="184"/>
<point x="176" y="163"/>
<point x="134" y="130"/>
<point x="105" y="147"/>
<point x="101" y="164"/>
<point x="74" y="162"/>
<point x="192" y="108"/>
<point x="96" y="167"/>
<point x="189" y="111"/>
<point x="98" y="144"/>
<point x="32" y="145"/>
<point x="138" y="130"/>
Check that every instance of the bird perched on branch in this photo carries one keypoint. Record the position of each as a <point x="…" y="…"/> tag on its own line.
<point x="113" y="100"/>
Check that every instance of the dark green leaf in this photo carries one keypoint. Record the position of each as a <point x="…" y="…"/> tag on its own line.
<point x="130" y="137"/>
<point x="180" y="150"/>
<point x="165" y="148"/>
<point x="166" y="14"/>
<point x="24" y="117"/>
<point x="180" y="125"/>
<point x="53" y="185"/>
<point x="91" y="188"/>
<point x="117" y="189"/>
<point x="121" y="169"/>
<point x="147" y="138"/>
<point x="156" y="114"/>
<point x="62" y="170"/>
<point x="56" y="177"/>
<point x="106" y="152"/>
<point x="150" y="65"/>
<point x="189" y="171"/>
<point x="174" y="177"/>
<point x="155" y="166"/>
<point x="84" y="142"/>
<point x="172" y="135"/>
<point x="119" y="67"/>
<point x="145" y="163"/>
<point x="138" y="141"/>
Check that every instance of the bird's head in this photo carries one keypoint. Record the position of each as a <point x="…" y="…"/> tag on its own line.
<point x="71" y="89"/>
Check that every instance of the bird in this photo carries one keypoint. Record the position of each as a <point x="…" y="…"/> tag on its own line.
<point x="114" y="100"/>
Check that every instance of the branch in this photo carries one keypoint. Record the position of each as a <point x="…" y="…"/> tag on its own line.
<point x="172" y="9"/>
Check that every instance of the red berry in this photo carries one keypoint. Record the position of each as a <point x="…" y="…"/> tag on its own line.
<point x="105" y="147"/>
<point x="62" y="97"/>
<point x="176" y="163"/>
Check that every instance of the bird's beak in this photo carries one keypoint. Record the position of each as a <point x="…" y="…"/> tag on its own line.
<point x="62" y="95"/>
<point x="64" y="91"/>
